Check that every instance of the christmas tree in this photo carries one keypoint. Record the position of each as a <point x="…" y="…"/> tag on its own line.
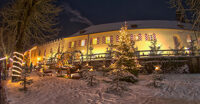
<point x="125" y="53"/>
<point x="125" y="60"/>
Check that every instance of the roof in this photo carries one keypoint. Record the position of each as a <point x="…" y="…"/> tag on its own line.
<point x="165" y="24"/>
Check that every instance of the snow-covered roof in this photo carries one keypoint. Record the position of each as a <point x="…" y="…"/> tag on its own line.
<point x="165" y="24"/>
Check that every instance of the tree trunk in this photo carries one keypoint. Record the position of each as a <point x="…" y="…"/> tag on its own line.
<point x="25" y="88"/>
<point x="0" y="76"/>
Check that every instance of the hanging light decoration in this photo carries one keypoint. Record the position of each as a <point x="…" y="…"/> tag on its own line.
<point x="17" y="66"/>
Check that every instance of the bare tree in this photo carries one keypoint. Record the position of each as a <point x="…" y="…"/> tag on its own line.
<point x="29" y="21"/>
<point x="188" y="11"/>
<point x="6" y="42"/>
<point x="26" y="22"/>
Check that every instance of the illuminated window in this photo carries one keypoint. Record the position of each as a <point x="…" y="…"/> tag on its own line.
<point x="72" y="45"/>
<point x="135" y="37"/>
<point x="94" y="41"/>
<point x="188" y="38"/>
<point x="107" y="40"/>
<point x="82" y="42"/>
<point x="150" y="37"/>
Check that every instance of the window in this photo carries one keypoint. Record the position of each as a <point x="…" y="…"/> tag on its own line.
<point x="82" y="42"/>
<point x="72" y="44"/>
<point x="117" y="38"/>
<point x="94" y="41"/>
<point x="139" y="36"/>
<point x="103" y="40"/>
<point x="188" y="38"/>
<point x="107" y="40"/>
<point x="150" y="37"/>
<point x="136" y="37"/>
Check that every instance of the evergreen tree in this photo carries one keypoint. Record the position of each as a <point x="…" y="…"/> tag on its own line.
<point x="125" y="53"/>
<point x="125" y="59"/>
<point x="154" y="48"/>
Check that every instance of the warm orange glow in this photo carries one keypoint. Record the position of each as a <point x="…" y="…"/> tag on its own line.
<point x="107" y="40"/>
<point x="6" y="57"/>
<point x="38" y="58"/>
<point x="13" y="84"/>
<point x="91" y="69"/>
<point x="94" y="41"/>
<point x="164" y="40"/>
<point x="157" y="68"/>
<point x="187" y="50"/>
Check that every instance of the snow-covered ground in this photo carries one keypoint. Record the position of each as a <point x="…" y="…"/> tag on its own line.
<point x="176" y="89"/>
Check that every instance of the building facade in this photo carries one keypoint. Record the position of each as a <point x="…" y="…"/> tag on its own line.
<point x="95" y="39"/>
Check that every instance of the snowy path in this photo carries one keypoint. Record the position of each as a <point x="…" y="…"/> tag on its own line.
<point x="182" y="89"/>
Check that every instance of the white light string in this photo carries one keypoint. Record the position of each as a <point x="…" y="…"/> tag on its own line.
<point x="19" y="53"/>
<point x="17" y="67"/>
<point x="16" y="71"/>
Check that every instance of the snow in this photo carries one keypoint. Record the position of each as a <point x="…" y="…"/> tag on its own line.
<point x="176" y="89"/>
<point x="166" y="24"/>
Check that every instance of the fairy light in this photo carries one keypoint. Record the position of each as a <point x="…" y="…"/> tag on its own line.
<point x="187" y="50"/>
<point x="6" y="57"/>
<point x="18" y="58"/>
<point x="16" y="75"/>
<point x="17" y="67"/>
<point x="19" y="54"/>
<point x="16" y="71"/>
<point x="2" y="58"/>
<point x="17" y="63"/>
<point x="11" y="59"/>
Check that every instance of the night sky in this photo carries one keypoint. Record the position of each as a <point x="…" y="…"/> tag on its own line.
<point x="79" y="14"/>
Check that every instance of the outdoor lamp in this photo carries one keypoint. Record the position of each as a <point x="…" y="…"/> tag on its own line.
<point x="157" y="68"/>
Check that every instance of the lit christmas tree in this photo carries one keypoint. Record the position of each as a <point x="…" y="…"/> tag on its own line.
<point x="125" y="54"/>
<point x="125" y="60"/>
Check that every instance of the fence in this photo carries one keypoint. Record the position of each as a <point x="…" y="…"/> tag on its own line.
<point x="139" y="54"/>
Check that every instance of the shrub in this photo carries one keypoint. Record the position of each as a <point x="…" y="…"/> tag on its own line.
<point x="134" y="72"/>
<point x="130" y="79"/>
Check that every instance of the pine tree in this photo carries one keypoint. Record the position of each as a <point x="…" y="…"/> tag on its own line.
<point x="125" y="59"/>
<point x="154" y="48"/>
<point x="125" y="53"/>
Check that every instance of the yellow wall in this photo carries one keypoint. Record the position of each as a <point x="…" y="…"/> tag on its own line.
<point x="164" y="38"/>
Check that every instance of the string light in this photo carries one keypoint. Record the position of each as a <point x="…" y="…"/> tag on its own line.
<point x="17" y="67"/>
<point x="19" y="53"/>
<point x="11" y="59"/>
<point x="18" y="58"/>
<point x="2" y="58"/>
<point x="17" y="63"/>
<point x="16" y="75"/>
<point x="16" y="71"/>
